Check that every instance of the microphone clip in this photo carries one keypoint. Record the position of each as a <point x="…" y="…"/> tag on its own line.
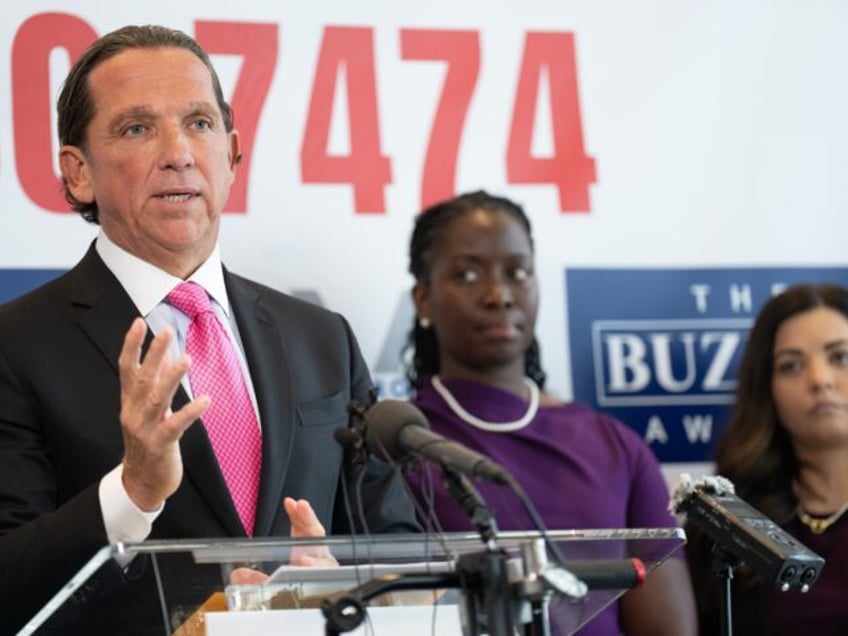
<point x="353" y="437"/>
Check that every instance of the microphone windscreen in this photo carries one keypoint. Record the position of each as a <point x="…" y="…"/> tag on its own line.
<point x="385" y="420"/>
<point x="686" y="487"/>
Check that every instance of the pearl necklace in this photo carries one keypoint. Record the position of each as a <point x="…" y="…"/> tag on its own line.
<point x="492" y="427"/>
<point x="817" y="525"/>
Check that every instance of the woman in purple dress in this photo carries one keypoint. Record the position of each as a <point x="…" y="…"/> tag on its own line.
<point x="785" y="448"/>
<point x="475" y="372"/>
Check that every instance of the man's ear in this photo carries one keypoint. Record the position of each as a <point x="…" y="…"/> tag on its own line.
<point x="75" y="171"/>
<point x="234" y="151"/>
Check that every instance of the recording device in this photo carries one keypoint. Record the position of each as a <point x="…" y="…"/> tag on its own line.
<point x="398" y="431"/>
<point x="745" y="533"/>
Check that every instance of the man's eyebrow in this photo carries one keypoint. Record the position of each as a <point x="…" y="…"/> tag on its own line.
<point x="204" y="107"/>
<point x="134" y="113"/>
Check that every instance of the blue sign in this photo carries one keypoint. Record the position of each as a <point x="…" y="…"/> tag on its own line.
<point x="659" y="348"/>
<point x="14" y="282"/>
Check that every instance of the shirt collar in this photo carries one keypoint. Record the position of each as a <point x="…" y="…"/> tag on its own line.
<point x="147" y="285"/>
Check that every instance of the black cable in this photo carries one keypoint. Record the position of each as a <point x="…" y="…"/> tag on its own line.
<point x="432" y="522"/>
<point x="536" y="518"/>
<point x="423" y="515"/>
<point x="369" y="626"/>
<point x="351" y="525"/>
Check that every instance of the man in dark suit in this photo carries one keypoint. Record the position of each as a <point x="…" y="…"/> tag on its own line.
<point x="101" y="436"/>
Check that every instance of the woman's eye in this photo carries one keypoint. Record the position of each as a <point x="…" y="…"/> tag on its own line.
<point x="840" y="358"/>
<point x="467" y="275"/>
<point x="788" y="367"/>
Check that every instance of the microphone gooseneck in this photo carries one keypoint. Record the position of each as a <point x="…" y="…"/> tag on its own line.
<point x="399" y="431"/>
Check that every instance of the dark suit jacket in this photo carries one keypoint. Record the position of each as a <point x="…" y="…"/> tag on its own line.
<point x="60" y="433"/>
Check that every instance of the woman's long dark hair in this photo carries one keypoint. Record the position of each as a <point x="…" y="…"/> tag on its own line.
<point x="421" y="353"/>
<point x="755" y="453"/>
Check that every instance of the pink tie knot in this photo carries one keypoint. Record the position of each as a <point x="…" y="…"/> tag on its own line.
<point x="190" y="298"/>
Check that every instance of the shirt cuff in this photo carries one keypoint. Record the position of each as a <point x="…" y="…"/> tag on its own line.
<point x="124" y="521"/>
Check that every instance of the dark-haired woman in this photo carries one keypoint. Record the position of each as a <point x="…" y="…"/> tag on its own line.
<point x="476" y="374"/>
<point x="785" y="448"/>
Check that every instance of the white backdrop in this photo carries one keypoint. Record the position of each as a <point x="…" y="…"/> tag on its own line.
<point x="717" y="130"/>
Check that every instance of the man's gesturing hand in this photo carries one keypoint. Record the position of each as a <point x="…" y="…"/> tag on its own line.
<point x="152" y="466"/>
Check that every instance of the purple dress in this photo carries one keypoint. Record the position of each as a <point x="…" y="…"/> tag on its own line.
<point x="582" y="469"/>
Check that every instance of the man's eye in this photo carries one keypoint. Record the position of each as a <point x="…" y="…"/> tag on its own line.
<point x="135" y="130"/>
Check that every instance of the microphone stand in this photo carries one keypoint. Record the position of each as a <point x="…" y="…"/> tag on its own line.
<point x="487" y="604"/>
<point x="724" y="565"/>
<point x="499" y="593"/>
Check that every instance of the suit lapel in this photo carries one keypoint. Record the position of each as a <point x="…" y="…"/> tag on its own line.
<point x="107" y="309"/>
<point x="264" y="347"/>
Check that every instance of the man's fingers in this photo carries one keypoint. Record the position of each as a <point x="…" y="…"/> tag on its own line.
<point x="148" y="386"/>
<point x="138" y="376"/>
<point x="314" y="560"/>
<point x="247" y="576"/>
<point x="170" y="375"/>
<point x="156" y="355"/>
<point x="130" y="354"/>
<point x="192" y="411"/>
<point x="158" y="397"/>
<point x="304" y="521"/>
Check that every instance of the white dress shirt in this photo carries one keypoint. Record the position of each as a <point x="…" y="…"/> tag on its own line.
<point x="148" y="286"/>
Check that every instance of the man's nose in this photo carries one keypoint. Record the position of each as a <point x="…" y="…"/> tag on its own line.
<point x="175" y="149"/>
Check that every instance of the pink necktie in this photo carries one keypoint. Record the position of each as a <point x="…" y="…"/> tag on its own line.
<point x="230" y="419"/>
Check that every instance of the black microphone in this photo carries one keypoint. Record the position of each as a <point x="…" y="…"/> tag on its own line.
<point x="398" y="431"/>
<point x="745" y="533"/>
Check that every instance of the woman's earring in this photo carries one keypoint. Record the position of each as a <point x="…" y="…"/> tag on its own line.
<point x="424" y="323"/>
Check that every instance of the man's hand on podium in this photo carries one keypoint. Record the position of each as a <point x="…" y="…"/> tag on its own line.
<point x="304" y="523"/>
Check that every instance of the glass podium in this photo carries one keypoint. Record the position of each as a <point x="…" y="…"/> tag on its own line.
<point x="386" y="584"/>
